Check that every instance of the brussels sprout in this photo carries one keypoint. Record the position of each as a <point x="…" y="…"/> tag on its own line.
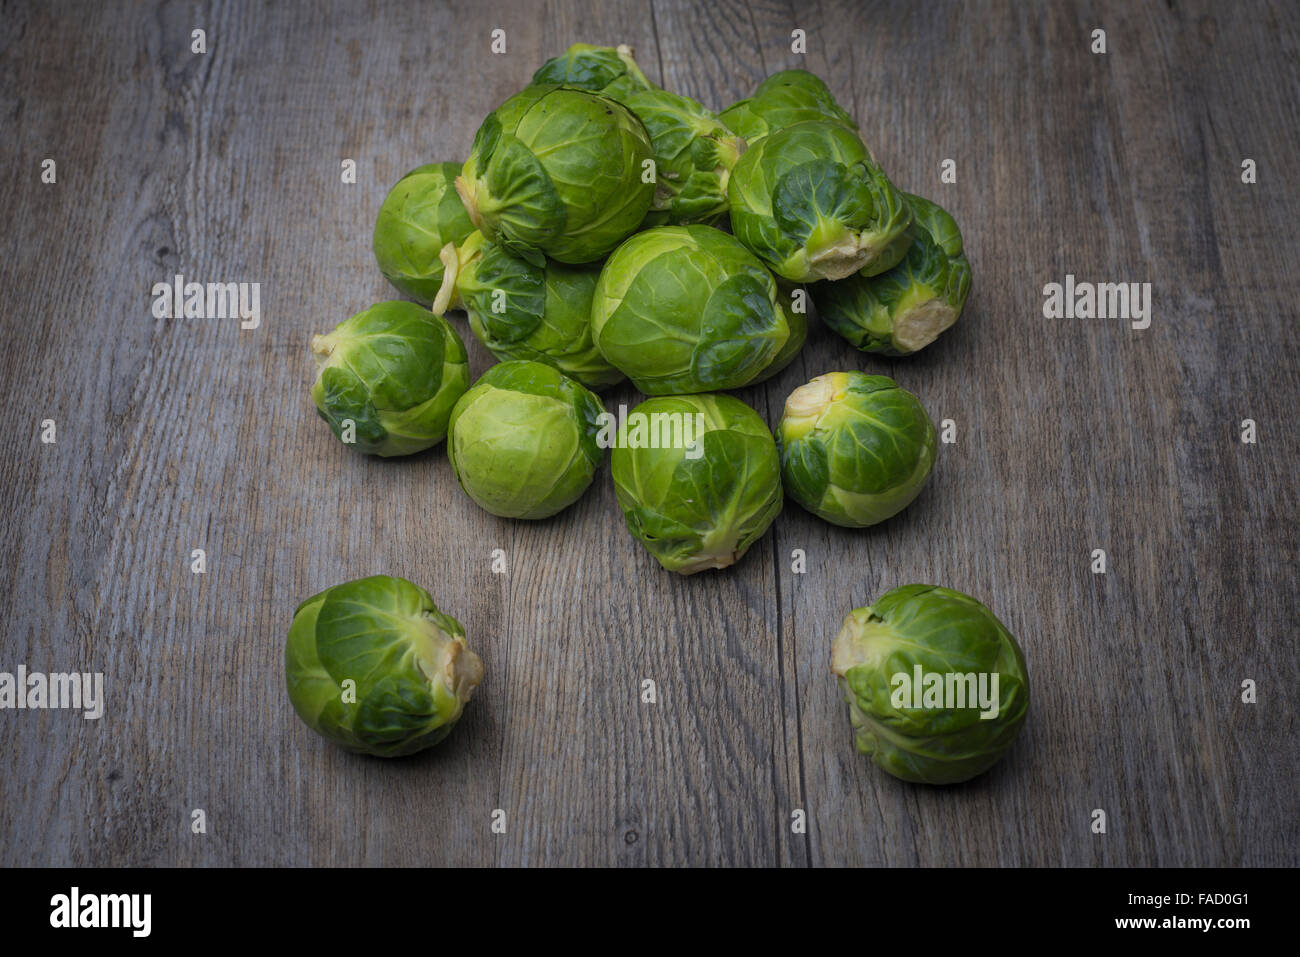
<point x="523" y="440"/>
<point x="684" y="309"/>
<point x="855" y="448"/>
<point x="810" y="202"/>
<point x="608" y="70"/>
<point x="523" y="311"/>
<point x="558" y="171"/>
<point x="784" y="99"/>
<point x="694" y="155"/>
<point x="905" y="308"/>
<point x="937" y="687"/>
<point x="693" y="151"/>
<point x="420" y="215"/>
<point x="697" y="478"/>
<point x="411" y="670"/>
<point x="393" y="372"/>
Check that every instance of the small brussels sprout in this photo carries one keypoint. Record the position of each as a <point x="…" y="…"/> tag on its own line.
<point x="608" y="70"/>
<point x="558" y="171"/>
<point x="543" y="313"/>
<point x="937" y="687"/>
<point x="855" y="448"/>
<point x="784" y="99"/>
<point x="694" y="154"/>
<point x="810" y="202"/>
<point x="388" y="377"/>
<point x="906" y="308"/>
<point x="683" y="309"/>
<point x="523" y="440"/>
<point x="420" y="215"/>
<point x="697" y="478"/>
<point x="411" y="670"/>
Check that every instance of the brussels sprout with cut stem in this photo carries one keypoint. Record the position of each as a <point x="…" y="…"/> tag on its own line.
<point x="374" y="666"/>
<point x="855" y="448"/>
<point x="784" y="99"/>
<point x="906" y="308"/>
<point x="420" y="215"/>
<point x="810" y="202"/>
<point x="387" y="378"/>
<point x="558" y="172"/>
<point x="609" y="70"/>
<point x="972" y="698"/>
<point x="696" y="499"/>
<point x="683" y="309"/>
<point x="522" y="440"/>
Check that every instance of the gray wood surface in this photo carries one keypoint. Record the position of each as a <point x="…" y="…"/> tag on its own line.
<point x="1071" y="435"/>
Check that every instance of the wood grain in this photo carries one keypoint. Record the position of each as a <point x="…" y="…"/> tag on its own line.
<point x="1071" y="435"/>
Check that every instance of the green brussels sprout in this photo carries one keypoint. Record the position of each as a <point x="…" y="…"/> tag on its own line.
<point x="810" y="202"/>
<point x="855" y="448"/>
<point x="420" y="215"/>
<point x="684" y="309"/>
<point x="524" y="311"/>
<point x="905" y="308"/>
<point x="937" y="687"/>
<point x="693" y="151"/>
<point x="784" y="99"/>
<point x="608" y="70"/>
<point x="411" y="671"/>
<point x="694" y="154"/>
<point x="697" y="478"/>
<point x="388" y="377"/>
<point x="558" y="171"/>
<point x="523" y="440"/>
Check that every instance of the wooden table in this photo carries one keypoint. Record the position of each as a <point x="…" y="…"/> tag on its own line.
<point x="1071" y="435"/>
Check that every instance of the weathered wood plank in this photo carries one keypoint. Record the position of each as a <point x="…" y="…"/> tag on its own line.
<point x="1071" y="435"/>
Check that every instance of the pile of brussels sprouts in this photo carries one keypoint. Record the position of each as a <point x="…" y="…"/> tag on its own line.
<point x="604" y="229"/>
